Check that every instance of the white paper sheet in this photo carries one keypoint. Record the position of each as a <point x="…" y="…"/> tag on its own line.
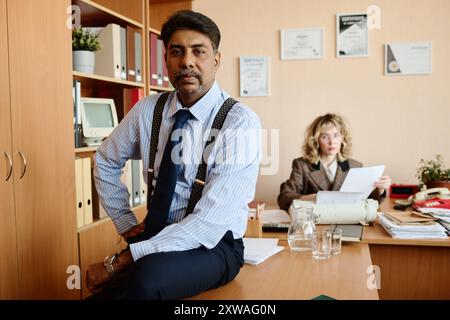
<point x="259" y="249"/>
<point x="338" y="197"/>
<point x="362" y="180"/>
<point x="275" y="216"/>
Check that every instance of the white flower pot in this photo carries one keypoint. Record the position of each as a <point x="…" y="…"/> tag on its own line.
<point x="83" y="61"/>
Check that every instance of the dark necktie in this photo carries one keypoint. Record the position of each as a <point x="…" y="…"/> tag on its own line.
<point x="167" y="178"/>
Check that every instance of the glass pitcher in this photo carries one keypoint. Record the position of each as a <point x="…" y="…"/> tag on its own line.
<point x="301" y="229"/>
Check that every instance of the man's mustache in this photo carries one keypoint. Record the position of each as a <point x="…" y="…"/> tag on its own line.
<point x="186" y="73"/>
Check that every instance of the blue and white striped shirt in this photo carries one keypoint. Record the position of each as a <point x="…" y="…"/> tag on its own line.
<point x="231" y="172"/>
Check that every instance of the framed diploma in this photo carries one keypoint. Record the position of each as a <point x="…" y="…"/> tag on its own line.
<point x="352" y="35"/>
<point x="407" y="58"/>
<point x="304" y="43"/>
<point x="254" y="76"/>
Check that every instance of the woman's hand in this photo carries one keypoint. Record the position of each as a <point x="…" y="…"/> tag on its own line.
<point x="309" y="197"/>
<point x="383" y="183"/>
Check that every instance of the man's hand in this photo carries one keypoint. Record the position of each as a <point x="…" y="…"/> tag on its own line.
<point x="97" y="277"/>
<point x="134" y="231"/>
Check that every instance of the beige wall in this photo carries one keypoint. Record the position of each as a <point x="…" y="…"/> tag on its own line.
<point x="393" y="120"/>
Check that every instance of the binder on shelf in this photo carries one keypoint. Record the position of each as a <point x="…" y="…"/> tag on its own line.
<point x="153" y="59"/>
<point x="108" y="57"/>
<point x="79" y="191"/>
<point x="136" y="180"/>
<point x="165" y="75"/>
<point x="142" y="184"/>
<point x="123" y="53"/>
<point x="87" y="191"/>
<point x="77" y="129"/>
<point x="131" y="55"/>
<point x="126" y="179"/>
<point x="83" y="190"/>
<point x="138" y="55"/>
<point x="160" y="62"/>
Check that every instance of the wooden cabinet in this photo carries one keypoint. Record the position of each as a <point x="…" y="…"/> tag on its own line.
<point x="38" y="226"/>
<point x="9" y="286"/>
<point x="38" y="233"/>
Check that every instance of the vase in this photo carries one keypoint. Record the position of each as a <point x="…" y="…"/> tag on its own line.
<point x="83" y="61"/>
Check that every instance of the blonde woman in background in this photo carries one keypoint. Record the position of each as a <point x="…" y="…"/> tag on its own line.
<point x="325" y="163"/>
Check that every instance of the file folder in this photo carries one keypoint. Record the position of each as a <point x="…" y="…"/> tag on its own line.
<point x="136" y="189"/>
<point x="126" y="179"/>
<point x="123" y="53"/>
<point x="160" y="62"/>
<point x="131" y="55"/>
<point x="87" y="191"/>
<point x="153" y="59"/>
<point x="142" y="183"/>
<point x="138" y="55"/>
<point x="107" y="58"/>
<point x="79" y="191"/>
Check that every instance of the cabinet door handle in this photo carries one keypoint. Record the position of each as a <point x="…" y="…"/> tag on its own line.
<point x="9" y="170"/>
<point x="24" y="166"/>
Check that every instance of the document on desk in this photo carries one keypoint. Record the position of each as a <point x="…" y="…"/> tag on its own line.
<point x="362" y="180"/>
<point x="256" y="250"/>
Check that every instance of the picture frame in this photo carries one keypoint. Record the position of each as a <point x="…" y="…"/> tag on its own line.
<point x="254" y="76"/>
<point x="304" y="43"/>
<point x="407" y="58"/>
<point x="352" y="35"/>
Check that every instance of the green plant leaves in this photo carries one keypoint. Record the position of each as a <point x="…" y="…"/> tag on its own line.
<point x="432" y="170"/>
<point x="83" y="39"/>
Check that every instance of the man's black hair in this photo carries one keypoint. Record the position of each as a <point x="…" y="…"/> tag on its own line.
<point x="191" y="20"/>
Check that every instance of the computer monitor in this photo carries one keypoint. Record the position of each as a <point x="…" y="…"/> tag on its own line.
<point x="98" y="119"/>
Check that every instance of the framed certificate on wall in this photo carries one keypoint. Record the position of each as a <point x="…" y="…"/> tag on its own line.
<point x="306" y="43"/>
<point x="352" y="35"/>
<point x="254" y="76"/>
<point x="407" y="58"/>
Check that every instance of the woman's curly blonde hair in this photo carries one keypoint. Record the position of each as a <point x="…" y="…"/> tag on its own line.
<point x="311" y="144"/>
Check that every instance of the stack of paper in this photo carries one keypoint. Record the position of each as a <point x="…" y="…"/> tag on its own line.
<point x="256" y="250"/>
<point x="413" y="230"/>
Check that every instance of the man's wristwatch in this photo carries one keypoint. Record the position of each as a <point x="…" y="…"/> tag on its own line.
<point x="108" y="262"/>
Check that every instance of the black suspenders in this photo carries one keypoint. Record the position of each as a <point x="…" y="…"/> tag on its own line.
<point x="200" y="178"/>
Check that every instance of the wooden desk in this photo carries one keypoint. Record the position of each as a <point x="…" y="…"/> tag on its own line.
<point x="410" y="268"/>
<point x="294" y="275"/>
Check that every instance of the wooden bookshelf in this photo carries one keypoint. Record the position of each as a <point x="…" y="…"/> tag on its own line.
<point x="95" y="14"/>
<point x="93" y="80"/>
<point x="154" y="31"/>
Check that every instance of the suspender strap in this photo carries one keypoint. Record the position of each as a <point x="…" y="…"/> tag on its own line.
<point x="197" y="189"/>
<point x="157" y="118"/>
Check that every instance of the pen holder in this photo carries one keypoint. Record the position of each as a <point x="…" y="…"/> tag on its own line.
<point x="254" y="228"/>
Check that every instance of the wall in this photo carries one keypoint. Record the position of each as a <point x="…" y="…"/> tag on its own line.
<point x="394" y="120"/>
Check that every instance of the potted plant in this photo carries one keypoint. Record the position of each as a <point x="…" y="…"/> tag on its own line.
<point x="433" y="174"/>
<point x="84" y="45"/>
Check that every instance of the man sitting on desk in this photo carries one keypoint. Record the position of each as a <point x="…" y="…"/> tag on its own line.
<point x="325" y="163"/>
<point x="191" y="239"/>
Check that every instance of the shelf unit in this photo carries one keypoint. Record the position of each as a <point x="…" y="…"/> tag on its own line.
<point x="94" y="80"/>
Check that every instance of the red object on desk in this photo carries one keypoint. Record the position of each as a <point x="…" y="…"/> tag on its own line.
<point x="402" y="191"/>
